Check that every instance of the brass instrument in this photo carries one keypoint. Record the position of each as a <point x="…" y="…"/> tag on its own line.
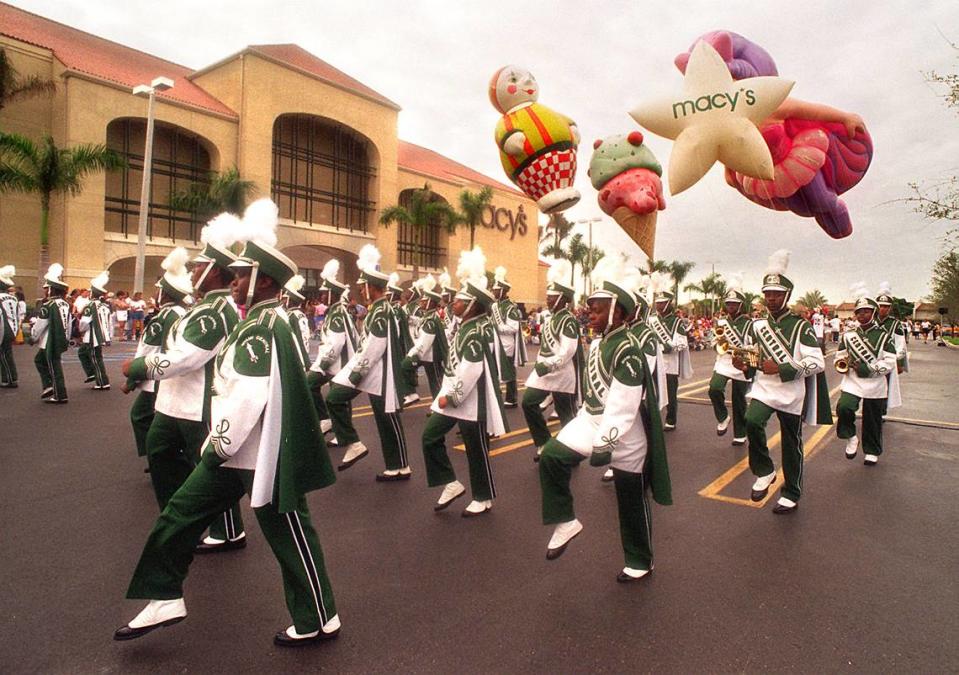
<point x="749" y="355"/>
<point x="842" y="362"/>
<point x="722" y="344"/>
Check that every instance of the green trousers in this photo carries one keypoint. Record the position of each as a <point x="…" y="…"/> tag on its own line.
<point x="511" y="391"/>
<point x="316" y="381"/>
<point x="173" y="450"/>
<point x="141" y="417"/>
<point x="672" y="398"/>
<point x="439" y="470"/>
<point x="535" y="419"/>
<point x="8" y="367"/>
<point x="717" y="394"/>
<point x="207" y="492"/>
<point x="389" y="425"/>
<point x="434" y="375"/>
<point x="51" y="374"/>
<point x="555" y="469"/>
<point x="872" y="411"/>
<point x="91" y="358"/>
<point x="760" y="463"/>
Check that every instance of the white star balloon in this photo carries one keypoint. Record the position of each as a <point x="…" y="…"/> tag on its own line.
<point x="716" y="118"/>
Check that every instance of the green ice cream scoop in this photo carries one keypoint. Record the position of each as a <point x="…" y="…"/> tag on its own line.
<point x="615" y="154"/>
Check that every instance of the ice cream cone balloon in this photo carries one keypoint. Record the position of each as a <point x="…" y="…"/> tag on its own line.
<point x="627" y="176"/>
<point x="537" y="145"/>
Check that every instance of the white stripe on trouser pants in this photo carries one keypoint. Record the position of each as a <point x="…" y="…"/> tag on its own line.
<point x="53" y="375"/>
<point x="302" y="547"/>
<point x="400" y="439"/>
<point x="484" y="439"/>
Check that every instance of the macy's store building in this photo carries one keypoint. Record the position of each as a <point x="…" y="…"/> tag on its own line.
<point x="322" y="145"/>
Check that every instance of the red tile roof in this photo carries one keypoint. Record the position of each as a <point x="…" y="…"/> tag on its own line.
<point x="88" y="54"/>
<point x="297" y="57"/>
<point x="425" y="161"/>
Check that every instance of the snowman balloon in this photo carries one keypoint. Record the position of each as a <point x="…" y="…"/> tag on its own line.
<point x="537" y="145"/>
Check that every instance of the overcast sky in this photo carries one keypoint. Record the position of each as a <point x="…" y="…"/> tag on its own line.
<point x="596" y="61"/>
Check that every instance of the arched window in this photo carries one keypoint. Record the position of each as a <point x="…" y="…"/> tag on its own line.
<point x="322" y="172"/>
<point x="421" y="246"/>
<point x="179" y="160"/>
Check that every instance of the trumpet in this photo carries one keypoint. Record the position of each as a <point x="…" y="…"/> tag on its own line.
<point x="842" y="362"/>
<point x="722" y="344"/>
<point x="749" y="355"/>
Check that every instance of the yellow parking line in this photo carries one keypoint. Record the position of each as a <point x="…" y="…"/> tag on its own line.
<point x="511" y="446"/>
<point x="684" y="394"/>
<point x="810" y="448"/>
<point x="697" y="383"/>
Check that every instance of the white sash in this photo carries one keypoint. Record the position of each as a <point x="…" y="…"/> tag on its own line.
<point x="861" y="350"/>
<point x="773" y="343"/>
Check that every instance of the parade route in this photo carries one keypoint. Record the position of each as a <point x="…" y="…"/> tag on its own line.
<point x="861" y="578"/>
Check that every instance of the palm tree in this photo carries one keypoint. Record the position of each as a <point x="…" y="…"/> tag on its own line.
<point x="577" y="253"/>
<point x="423" y="210"/>
<point x="44" y="169"/>
<point x="751" y="300"/>
<point x="472" y="205"/>
<point x="221" y="192"/>
<point x="813" y="299"/>
<point x="711" y="287"/>
<point x="679" y="270"/>
<point x="561" y="228"/>
<point x="658" y="266"/>
<point x="13" y="87"/>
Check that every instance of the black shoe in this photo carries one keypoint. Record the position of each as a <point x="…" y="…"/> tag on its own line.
<point x="55" y="400"/>
<point x="91" y="378"/>
<point x="779" y="509"/>
<point x="127" y="633"/>
<point x="510" y="404"/>
<point x="392" y="478"/>
<point x="46" y="393"/>
<point x="759" y="495"/>
<point x="737" y="441"/>
<point x="228" y="545"/>
<point x="607" y="479"/>
<point x="282" y="639"/>
<point x="624" y="578"/>
<point x="9" y="385"/>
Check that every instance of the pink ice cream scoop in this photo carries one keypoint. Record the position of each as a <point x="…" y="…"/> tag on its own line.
<point x="639" y="190"/>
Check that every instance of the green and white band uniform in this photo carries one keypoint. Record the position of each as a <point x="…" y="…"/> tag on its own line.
<point x="797" y="393"/>
<point x="870" y="353"/>
<point x="737" y="336"/>
<point x="182" y="419"/>
<point x="558" y="372"/>
<point x="670" y="330"/>
<point x="9" y="327"/>
<point x="510" y="344"/>
<point x="430" y="349"/>
<point x="645" y="340"/>
<point x="375" y="370"/>
<point x="338" y="342"/>
<point x="619" y="425"/>
<point x="897" y="333"/>
<point x="51" y="333"/>
<point x="264" y="441"/>
<point x="471" y="388"/>
<point x="151" y="342"/>
<point x="301" y="333"/>
<point x="95" y="330"/>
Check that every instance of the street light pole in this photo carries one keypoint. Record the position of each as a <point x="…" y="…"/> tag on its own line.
<point x="150" y="90"/>
<point x="589" y="253"/>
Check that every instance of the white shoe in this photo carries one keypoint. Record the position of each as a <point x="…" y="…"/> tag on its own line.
<point x="634" y="573"/>
<point x="547" y="402"/>
<point x="608" y="476"/>
<point x="562" y="535"/>
<point x="852" y="446"/>
<point x="739" y="440"/>
<point x="354" y="453"/>
<point x="411" y="398"/>
<point x="554" y="415"/>
<point x="869" y="460"/>
<point x="326" y="426"/>
<point x="159" y="612"/>
<point x="761" y="487"/>
<point x="451" y="492"/>
<point x="722" y="426"/>
<point x="477" y="507"/>
<point x="668" y="427"/>
<point x="330" y="626"/>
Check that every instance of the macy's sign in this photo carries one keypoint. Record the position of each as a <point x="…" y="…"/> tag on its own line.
<point x="505" y="220"/>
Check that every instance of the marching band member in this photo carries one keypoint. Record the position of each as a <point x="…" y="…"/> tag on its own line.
<point x="469" y="396"/>
<point x="619" y="423"/>
<point x="671" y="331"/>
<point x="866" y="356"/>
<point x="51" y="332"/>
<point x="96" y="332"/>
<point x="404" y="321"/>
<point x="264" y="441"/>
<point x="897" y="333"/>
<point x="559" y="365"/>
<point x="295" y="302"/>
<point x="511" y="346"/>
<point x="430" y="348"/>
<point x="174" y="292"/>
<point x="735" y="335"/>
<point x="374" y="369"/>
<point x="339" y="340"/>
<point x="9" y="328"/>
<point x="448" y="292"/>
<point x="184" y="371"/>
<point x="789" y="382"/>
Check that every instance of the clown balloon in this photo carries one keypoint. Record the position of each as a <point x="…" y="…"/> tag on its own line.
<point x="818" y="152"/>
<point x="537" y="145"/>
